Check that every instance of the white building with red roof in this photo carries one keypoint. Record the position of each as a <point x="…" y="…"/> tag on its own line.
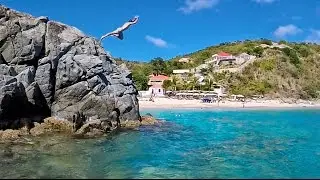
<point x="155" y="84"/>
<point x="223" y="58"/>
<point x="228" y="59"/>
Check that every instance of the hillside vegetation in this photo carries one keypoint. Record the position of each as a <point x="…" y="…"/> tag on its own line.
<point x="291" y="72"/>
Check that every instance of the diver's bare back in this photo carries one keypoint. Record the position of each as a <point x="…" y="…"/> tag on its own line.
<point x="119" y="31"/>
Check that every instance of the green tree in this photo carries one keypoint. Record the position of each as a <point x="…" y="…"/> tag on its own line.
<point x="140" y="75"/>
<point x="158" y="65"/>
<point x="208" y="84"/>
<point x="193" y="83"/>
<point x="167" y="85"/>
<point x="140" y="81"/>
<point x="175" y="81"/>
<point x="210" y="78"/>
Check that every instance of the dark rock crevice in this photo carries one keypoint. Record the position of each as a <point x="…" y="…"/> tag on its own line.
<point x="2" y="60"/>
<point x="3" y="42"/>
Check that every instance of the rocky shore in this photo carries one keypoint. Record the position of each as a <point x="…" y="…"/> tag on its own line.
<point x="54" y="78"/>
<point x="52" y="126"/>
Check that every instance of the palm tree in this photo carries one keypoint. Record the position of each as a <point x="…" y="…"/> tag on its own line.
<point x="193" y="82"/>
<point x="210" y="79"/>
<point x="175" y="80"/>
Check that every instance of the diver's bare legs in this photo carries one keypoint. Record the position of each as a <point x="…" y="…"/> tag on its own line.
<point x="115" y="34"/>
<point x="106" y="35"/>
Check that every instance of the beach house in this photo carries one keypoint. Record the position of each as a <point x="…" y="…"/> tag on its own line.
<point x="155" y="84"/>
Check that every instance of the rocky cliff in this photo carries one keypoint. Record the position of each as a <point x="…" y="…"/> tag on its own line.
<point x="51" y="69"/>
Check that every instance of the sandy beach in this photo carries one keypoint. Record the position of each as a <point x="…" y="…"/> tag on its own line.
<point x="166" y="103"/>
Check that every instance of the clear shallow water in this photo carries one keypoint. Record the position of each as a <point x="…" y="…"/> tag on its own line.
<point x="191" y="144"/>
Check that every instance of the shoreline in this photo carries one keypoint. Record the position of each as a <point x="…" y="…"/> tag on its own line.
<point x="262" y="108"/>
<point x="166" y="103"/>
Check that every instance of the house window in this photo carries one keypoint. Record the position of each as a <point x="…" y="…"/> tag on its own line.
<point x="159" y="90"/>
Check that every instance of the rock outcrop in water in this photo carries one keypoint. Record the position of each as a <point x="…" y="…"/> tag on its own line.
<point x="51" y="69"/>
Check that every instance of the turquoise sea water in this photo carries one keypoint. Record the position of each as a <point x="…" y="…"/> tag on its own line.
<point x="190" y="144"/>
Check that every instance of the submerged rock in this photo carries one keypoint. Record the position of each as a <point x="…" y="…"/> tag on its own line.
<point x="51" y="125"/>
<point x="147" y="120"/>
<point x="52" y="69"/>
<point x="10" y="134"/>
<point x="94" y="128"/>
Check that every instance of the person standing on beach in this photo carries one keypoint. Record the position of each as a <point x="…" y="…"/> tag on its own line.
<point x="243" y="102"/>
<point x="119" y="31"/>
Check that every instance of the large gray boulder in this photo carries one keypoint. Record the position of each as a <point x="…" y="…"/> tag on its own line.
<point x="50" y="69"/>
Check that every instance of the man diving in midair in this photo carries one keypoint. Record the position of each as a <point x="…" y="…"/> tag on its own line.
<point x="119" y="31"/>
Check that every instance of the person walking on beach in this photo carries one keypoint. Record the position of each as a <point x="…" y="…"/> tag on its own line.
<point x="119" y="31"/>
<point x="243" y="102"/>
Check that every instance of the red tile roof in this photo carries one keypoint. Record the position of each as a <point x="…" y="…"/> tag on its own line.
<point x="224" y="54"/>
<point x="159" y="78"/>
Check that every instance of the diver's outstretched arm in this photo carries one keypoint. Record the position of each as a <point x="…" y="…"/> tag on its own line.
<point x="126" y="25"/>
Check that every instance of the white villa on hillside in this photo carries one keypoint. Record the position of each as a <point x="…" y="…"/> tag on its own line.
<point x="226" y="58"/>
<point x="222" y="58"/>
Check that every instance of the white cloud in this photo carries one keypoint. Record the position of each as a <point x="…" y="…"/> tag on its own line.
<point x="197" y="5"/>
<point x="283" y="31"/>
<point x="264" y="1"/>
<point x="314" y="37"/>
<point x="157" y="41"/>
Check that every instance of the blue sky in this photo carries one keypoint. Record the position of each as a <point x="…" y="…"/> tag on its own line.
<point x="168" y="28"/>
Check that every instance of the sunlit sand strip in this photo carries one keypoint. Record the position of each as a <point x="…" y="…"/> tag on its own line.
<point x="166" y="103"/>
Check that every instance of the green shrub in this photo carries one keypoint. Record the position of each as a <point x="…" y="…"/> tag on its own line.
<point x="266" y="41"/>
<point x="283" y="42"/>
<point x="258" y="51"/>
<point x="294" y="59"/>
<point x="302" y="50"/>
<point x="312" y="91"/>
<point x="268" y="64"/>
